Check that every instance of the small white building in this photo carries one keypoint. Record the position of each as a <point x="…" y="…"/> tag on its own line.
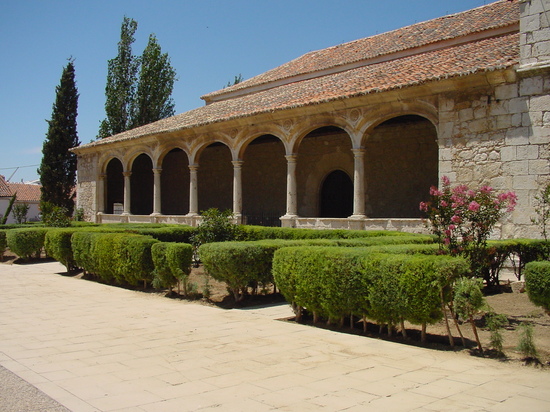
<point x="26" y="193"/>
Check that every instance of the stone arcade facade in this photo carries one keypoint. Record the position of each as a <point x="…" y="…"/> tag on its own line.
<point x="351" y="136"/>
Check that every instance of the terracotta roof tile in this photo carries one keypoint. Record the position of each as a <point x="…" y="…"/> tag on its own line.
<point x="26" y="192"/>
<point x="4" y="188"/>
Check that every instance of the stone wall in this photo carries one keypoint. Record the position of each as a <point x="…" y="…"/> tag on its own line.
<point x="499" y="136"/>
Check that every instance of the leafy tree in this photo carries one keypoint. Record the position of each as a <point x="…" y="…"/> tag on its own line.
<point x="121" y="83"/>
<point x="139" y="88"/>
<point x="58" y="167"/>
<point x="156" y="80"/>
<point x="468" y="301"/>
<point x="236" y="80"/>
<point x="20" y="212"/>
<point x="4" y="218"/>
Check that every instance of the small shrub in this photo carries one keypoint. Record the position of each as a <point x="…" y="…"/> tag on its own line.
<point x="54" y="216"/>
<point x="526" y="343"/>
<point x="537" y="283"/>
<point x="172" y="263"/>
<point x="495" y="322"/>
<point x="468" y="301"/>
<point x="26" y="242"/>
<point x="216" y="226"/>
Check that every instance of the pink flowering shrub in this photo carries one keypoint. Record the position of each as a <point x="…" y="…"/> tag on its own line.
<point x="463" y="219"/>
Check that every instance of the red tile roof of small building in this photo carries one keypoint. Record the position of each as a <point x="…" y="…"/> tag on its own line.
<point x="477" y="55"/>
<point x="25" y="192"/>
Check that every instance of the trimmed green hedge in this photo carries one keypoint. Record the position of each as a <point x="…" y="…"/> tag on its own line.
<point x="123" y="258"/>
<point x="333" y="282"/>
<point x="26" y="242"/>
<point x="57" y="244"/>
<point x="172" y="262"/>
<point x="3" y="243"/>
<point x="537" y="283"/>
<point x="240" y="264"/>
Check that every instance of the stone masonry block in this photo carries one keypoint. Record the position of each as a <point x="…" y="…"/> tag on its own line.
<point x="506" y="91"/>
<point x="542" y="48"/>
<point x="517" y="136"/>
<point x="508" y="153"/>
<point x="516" y="168"/>
<point x="528" y="152"/>
<point x="539" y="167"/>
<point x="524" y="182"/>
<point x="540" y="103"/>
<point x="539" y="135"/>
<point x="530" y="86"/>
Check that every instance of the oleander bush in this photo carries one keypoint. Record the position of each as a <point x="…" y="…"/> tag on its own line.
<point x="26" y="242"/>
<point x="172" y="262"/>
<point x="537" y="283"/>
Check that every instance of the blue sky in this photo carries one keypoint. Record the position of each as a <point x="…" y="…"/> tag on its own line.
<point x="208" y="41"/>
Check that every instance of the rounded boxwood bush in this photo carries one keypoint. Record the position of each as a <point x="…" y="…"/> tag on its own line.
<point x="537" y="283"/>
<point x="26" y="242"/>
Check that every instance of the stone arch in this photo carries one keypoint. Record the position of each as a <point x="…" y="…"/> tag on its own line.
<point x="114" y="185"/>
<point x="401" y="163"/>
<point x="264" y="180"/>
<point x="215" y="176"/>
<point x="336" y="195"/>
<point x="321" y="151"/>
<point x="310" y="125"/>
<point x="141" y="185"/>
<point x="174" y="180"/>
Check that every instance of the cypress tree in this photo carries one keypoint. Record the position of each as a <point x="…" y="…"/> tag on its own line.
<point x="156" y="81"/>
<point x="58" y="167"/>
<point x="121" y="84"/>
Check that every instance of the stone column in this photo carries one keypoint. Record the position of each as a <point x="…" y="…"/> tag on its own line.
<point x="358" y="184"/>
<point x="101" y="193"/>
<point x="127" y="193"/>
<point x="237" y="189"/>
<point x="291" y="192"/>
<point x="157" y="207"/>
<point x="193" y="190"/>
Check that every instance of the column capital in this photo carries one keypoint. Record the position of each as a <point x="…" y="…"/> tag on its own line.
<point x="194" y="167"/>
<point x="127" y="174"/>
<point x="157" y="170"/>
<point x="358" y="152"/>
<point x="237" y="163"/>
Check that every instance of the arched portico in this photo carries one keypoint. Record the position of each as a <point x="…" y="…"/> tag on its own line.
<point x="141" y="186"/>
<point x="401" y="163"/>
<point x="215" y="178"/>
<point x="113" y="181"/>
<point x="175" y="180"/>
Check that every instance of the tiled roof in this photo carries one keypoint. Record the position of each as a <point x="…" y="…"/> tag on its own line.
<point x="26" y="192"/>
<point x="4" y="188"/>
<point x="485" y="54"/>
<point x="492" y="16"/>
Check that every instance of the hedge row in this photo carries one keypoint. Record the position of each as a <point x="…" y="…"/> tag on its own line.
<point x="333" y="282"/>
<point x="172" y="262"/>
<point x="3" y="243"/>
<point x="537" y="283"/>
<point x="27" y="242"/>
<point x="240" y="264"/>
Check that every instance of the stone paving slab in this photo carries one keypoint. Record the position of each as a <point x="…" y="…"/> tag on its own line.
<point x="93" y="347"/>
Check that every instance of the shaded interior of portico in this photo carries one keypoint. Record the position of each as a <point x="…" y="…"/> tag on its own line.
<point x="322" y="152"/>
<point x="114" y="185"/>
<point x="142" y="185"/>
<point x="175" y="183"/>
<point x="264" y="181"/>
<point x="401" y="163"/>
<point x="215" y="178"/>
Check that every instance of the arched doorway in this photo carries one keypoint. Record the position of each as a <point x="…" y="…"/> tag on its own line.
<point x="321" y="151"/>
<point x="336" y="198"/>
<point x="141" y="185"/>
<point x="401" y="163"/>
<point x="114" y="187"/>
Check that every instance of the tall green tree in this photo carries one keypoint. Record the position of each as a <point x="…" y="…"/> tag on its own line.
<point x="121" y="84"/>
<point x="58" y="167"/>
<point x="138" y="89"/>
<point x="154" y="90"/>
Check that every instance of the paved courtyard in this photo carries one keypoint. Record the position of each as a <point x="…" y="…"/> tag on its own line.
<point x="92" y="347"/>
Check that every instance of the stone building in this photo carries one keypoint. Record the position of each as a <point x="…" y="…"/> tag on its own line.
<point x="351" y="136"/>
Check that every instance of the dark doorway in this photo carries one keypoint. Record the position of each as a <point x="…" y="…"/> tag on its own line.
<point x="337" y="195"/>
